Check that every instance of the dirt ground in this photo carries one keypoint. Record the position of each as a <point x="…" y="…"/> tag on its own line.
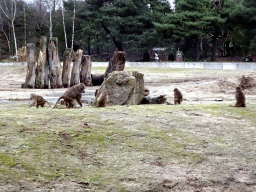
<point x="197" y="86"/>
<point x="224" y="171"/>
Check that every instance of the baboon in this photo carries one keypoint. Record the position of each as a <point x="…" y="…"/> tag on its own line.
<point x="240" y="98"/>
<point x="177" y="96"/>
<point x="102" y="99"/>
<point x="37" y="100"/>
<point x="73" y="93"/>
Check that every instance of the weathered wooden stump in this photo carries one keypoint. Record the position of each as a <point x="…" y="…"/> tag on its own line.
<point x="41" y="64"/>
<point x="75" y="74"/>
<point x="31" y="66"/>
<point x="66" y="71"/>
<point x="54" y="63"/>
<point x="85" y="75"/>
<point x="97" y="79"/>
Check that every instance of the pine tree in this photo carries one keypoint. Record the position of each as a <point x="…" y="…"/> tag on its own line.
<point x="189" y="22"/>
<point x="127" y="22"/>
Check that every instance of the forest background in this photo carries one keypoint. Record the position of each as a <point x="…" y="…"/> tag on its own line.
<point x="200" y="29"/>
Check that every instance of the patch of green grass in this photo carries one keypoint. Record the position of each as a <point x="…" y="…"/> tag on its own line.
<point x="7" y="160"/>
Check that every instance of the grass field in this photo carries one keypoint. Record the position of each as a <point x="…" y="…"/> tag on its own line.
<point x="190" y="147"/>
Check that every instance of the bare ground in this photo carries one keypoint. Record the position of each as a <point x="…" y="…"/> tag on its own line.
<point x="227" y="137"/>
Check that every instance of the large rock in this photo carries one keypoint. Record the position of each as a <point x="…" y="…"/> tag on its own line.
<point x="124" y="88"/>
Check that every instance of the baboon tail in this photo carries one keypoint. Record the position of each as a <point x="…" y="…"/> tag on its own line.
<point x="58" y="101"/>
<point x="48" y="103"/>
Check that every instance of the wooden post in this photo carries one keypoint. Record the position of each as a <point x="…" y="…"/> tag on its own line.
<point x="86" y="66"/>
<point x="75" y="74"/>
<point x="54" y="63"/>
<point x="41" y="63"/>
<point x="31" y="66"/>
<point x="117" y="62"/>
<point x="66" y="71"/>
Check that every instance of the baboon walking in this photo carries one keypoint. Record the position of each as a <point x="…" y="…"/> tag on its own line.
<point x="240" y="98"/>
<point x="73" y="93"/>
<point x="37" y="100"/>
<point x="177" y="96"/>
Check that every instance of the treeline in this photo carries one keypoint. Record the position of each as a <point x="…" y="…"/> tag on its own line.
<point x="200" y="29"/>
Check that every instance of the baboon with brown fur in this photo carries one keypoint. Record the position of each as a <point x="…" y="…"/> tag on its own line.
<point x="37" y="100"/>
<point x="102" y="99"/>
<point x="73" y="93"/>
<point x="177" y="96"/>
<point x="240" y="98"/>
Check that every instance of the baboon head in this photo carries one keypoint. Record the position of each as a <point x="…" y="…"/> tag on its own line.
<point x="81" y="88"/>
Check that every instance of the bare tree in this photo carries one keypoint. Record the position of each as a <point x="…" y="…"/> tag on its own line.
<point x="6" y="36"/>
<point x="10" y="13"/>
<point x="73" y="30"/>
<point x="25" y="23"/>
<point x="52" y="5"/>
<point x="63" y="20"/>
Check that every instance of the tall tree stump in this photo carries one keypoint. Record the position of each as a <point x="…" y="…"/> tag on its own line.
<point x="54" y="63"/>
<point x="86" y="66"/>
<point x="117" y="62"/>
<point x="41" y="64"/>
<point x="47" y="75"/>
<point x="31" y="66"/>
<point x="75" y="74"/>
<point x="66" y="70"/>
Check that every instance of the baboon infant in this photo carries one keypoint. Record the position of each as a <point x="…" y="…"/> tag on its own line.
<point x="37" y="100"/>
<point x="177" y="96"/>
<point x="73" y="93"/>
<point x="102" y="99"/>
<point x="240" y="98"/>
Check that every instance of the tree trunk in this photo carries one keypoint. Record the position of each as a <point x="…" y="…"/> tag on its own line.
<point x="197" y="49"/>
<point x="86" y="66"/>
<point x="154" y="99"/>
<point x="41" y="63"/>
<point x="66" y="72"/>
<point x="64" y="27"/>
<point x="73" y="27"/>
<point x="47" y="73"/>
<point x="214" y="46"/>
<point x="117" y="62"/>
<point x="89" y="45"/>
<point x="15" y="41"/>
<point x="75" y="74"/>
<point x="31" y="66"/>
<point x="54" y="63"/>
<point x="97" y="79"/>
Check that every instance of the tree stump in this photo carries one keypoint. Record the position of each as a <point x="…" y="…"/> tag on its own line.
<point x="47" y="75"/>
<point x="86" y="66"/>
<point x="97" y="79"/>
<point x="117" y="62"/>
<point x="154" y="99"/>
<point x="124" y="88"/>
<point x="41" y="63"/>
<point x="75" y="74"/>
<point x="31" y="66"/>
<point x="54" y="63"/>
<point x="66" y="71"/>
